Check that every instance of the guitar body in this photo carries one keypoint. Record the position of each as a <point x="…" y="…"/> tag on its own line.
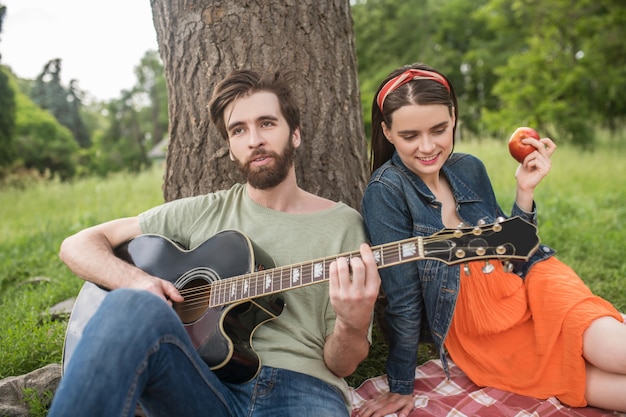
<point x="221" y="335"/>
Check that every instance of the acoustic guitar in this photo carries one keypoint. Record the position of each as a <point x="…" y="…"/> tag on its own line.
<point x="231" y="285"/>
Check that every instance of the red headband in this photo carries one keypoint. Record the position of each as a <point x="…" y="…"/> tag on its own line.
<point x="405" y="77"/>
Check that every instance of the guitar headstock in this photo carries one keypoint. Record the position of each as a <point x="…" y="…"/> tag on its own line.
<point x="512" y="238"/>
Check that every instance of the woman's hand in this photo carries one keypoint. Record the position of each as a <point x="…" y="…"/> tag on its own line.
<point x="387" y="403"/>
<point x="534" y="168"/>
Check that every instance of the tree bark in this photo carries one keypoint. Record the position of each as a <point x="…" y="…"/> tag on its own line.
<point x="201" y="41"/>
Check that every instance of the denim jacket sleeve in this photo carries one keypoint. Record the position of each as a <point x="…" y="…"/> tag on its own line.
<point x="530" y="217"/>
<point x="388" y="219"/>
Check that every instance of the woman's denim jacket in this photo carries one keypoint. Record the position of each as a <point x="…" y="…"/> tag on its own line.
<point x="422" y="295"/>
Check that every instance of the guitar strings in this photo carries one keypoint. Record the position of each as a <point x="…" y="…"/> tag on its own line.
<point x="200" y="295"/>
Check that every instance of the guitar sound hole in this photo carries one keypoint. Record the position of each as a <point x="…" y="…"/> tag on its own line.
<point x="196" y="293"/>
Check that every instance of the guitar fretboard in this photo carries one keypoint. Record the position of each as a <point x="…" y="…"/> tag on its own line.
<point x="448" y="246"/>
<point x="288" y="277"/>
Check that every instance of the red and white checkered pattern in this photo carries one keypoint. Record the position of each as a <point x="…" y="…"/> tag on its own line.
<point x="435" y="395"/>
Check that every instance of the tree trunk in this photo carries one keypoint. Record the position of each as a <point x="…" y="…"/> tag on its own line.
<point x="200" y="41"/>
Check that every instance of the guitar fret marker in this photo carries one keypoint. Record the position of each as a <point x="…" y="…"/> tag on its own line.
<point x="408" y="250"/>
<point x="377" y="256"/>
<point x="295" y="275"/>
<point x="318" y="270"/>
<point x="268" y="281"/>
<point x="246" y="284"/>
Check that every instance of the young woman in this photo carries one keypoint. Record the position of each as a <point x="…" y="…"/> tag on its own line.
<point x="532" y="328"/>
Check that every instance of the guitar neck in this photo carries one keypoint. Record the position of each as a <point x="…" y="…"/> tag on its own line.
<point x="449" y="246"/>
<point x="271" y="281"/>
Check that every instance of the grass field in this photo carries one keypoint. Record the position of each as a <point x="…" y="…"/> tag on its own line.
<point x="581" y="214"/>
<point x="32" y="278"/>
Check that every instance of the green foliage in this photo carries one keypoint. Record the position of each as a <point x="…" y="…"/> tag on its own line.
<point x="122" y="146"/>
<point x="3" y="11"/>
<point x="41" y="142"/>
<point x="64" y="104"/>
<point x="388" y="33"/>
<point x="7" y="118"/>
<point x="134" y="123"/>
<point x="557" y="65"/>
<point x="550" y="84"/>
<point x="151" y="86"/>
<point x="113" y="136"/>
<point x="38" y="141"/>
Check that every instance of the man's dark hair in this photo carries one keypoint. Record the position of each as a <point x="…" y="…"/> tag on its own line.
<point x="241" y="83"/>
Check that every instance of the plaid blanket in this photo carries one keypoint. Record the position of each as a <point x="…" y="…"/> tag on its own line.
<point x="435" y="395"/>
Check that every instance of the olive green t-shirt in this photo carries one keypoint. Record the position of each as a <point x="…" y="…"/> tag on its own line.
<point x="295" y="339"/>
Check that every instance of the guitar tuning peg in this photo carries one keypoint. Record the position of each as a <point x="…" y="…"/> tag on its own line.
<point x="500" y="219"/>
<point x="466" y="269"/>
<point x="488" y="268"/>
<point x="508" y="266"/>
<point x="482" y="222"/>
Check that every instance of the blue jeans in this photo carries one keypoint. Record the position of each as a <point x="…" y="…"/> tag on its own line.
<point x="135" y="350"/>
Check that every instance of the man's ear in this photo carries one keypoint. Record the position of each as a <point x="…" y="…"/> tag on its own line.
<point x="295" y="137"/>
<point x="230" y="153"/>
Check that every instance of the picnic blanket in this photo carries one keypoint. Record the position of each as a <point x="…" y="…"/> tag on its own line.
<point x="435" y="395"/>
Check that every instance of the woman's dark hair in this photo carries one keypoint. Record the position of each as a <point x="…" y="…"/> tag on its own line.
<point x="418" y="91"/>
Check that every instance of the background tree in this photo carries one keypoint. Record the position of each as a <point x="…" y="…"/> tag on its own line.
<point x="152" y="90"/>
<point x="41" y="142"/>
<point x="7" y="115"/>
<point x="64" y="103"/>
<point x="123" y="146"/>
<point x="7" y="119"/>
<point x="125" y="129"/>
<point x="201" y="41"/>
<point x="555" y="64"/>
<point x="389" y="33"/>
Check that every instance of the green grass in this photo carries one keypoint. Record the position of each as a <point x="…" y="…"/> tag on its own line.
<point x="581" y="212"/>
<point x="32" y="278"/>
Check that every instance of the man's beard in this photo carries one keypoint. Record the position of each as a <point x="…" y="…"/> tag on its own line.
<point x="269" y="176"/>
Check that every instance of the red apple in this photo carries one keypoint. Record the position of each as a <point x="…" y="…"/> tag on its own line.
<point x="520" y="150"/>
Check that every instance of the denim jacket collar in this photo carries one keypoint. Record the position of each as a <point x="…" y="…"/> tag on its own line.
<point x="463" y="193"/>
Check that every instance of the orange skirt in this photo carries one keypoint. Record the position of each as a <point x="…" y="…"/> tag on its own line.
<point x="525" y="336"/>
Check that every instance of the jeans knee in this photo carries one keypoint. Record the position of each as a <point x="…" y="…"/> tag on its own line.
<point x="129" y="312"/>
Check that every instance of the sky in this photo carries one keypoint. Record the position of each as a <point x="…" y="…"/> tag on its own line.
<point x="99" y="42"/>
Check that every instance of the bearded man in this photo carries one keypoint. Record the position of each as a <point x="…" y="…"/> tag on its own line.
<point x="135" y="349"/>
